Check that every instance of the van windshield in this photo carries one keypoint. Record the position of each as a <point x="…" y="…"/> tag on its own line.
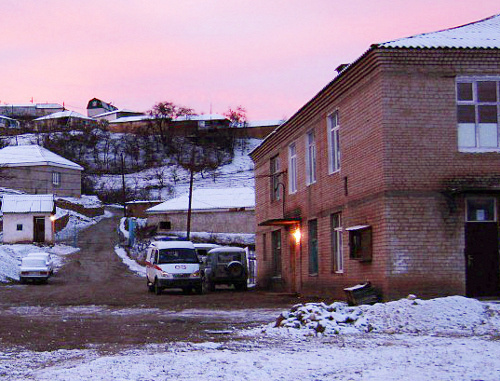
<point x="177" y="256"/>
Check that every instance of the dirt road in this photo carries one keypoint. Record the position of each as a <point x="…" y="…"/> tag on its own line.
<point x="95" y="299"/>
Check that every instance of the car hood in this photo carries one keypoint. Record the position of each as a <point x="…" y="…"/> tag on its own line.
<point x="179" y="268"/>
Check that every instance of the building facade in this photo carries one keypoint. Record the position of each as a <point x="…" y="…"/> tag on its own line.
<point x="391" y="174"/>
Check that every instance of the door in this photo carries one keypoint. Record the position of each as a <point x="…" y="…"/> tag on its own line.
<point x="481" y="248"/>
<point x="39" y="229"/>
<point x="276" y="252"/>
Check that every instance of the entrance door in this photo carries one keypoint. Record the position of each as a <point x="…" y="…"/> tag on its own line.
<point x="39" y="229"/>
<point x="481" y="248"/>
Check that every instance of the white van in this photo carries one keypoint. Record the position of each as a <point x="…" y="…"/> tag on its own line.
<point x="172" y="264"/>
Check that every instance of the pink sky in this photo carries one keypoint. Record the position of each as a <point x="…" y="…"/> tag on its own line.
<point x="270" y="56"/>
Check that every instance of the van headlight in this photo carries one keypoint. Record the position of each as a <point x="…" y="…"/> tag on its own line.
<point x="164" y="274"/>
<point x="196" y="274"/>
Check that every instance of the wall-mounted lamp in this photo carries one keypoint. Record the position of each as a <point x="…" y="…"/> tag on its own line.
<point x="297" y="235"/>
<point x="53" y="217"/>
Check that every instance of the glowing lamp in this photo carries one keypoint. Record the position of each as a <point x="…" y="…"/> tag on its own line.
<point x="296" y="234"/>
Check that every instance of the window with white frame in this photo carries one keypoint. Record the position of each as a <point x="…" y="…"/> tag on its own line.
<point x="275" y="178"/>
<point x="337" y="260"/>
<point x="292" y="168"/>
<point x="333" y="126"/>
<point x="310" y="158"/>
<point x="56" y="178"/>
<point x="478" y="108"/>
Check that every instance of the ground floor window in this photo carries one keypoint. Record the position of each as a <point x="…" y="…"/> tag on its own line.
<point x="337" y="260"/>
<point x="313" y="247"/>
<point x="360" y="243"/>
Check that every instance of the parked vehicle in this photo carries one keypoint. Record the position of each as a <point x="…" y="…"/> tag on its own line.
<point x="226" y="265"/>
<point x="34" y="269"/>
<point x="47" y="257"/>
<point x="173" y="264"/>
<point x="202" y="249"/>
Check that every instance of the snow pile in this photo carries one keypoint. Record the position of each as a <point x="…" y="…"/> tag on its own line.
<point x="132" y="265"/>
<point x="87" y="201"/>
<point x="326" y="319"/>
<point x="449" y="315"/>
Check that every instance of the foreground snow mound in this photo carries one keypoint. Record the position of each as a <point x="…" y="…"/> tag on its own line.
<point x="450" y="315"/>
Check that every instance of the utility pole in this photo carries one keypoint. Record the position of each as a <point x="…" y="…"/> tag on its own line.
<point x="123" y="187"/>
<point x="191" y="178"/>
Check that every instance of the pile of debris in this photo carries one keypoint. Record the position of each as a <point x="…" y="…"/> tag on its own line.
<point x="336" y="318"/>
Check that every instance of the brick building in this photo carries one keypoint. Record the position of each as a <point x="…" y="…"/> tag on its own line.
<point x="391" y="173"/>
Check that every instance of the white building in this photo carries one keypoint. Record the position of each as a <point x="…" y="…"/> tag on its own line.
<point x="27" y="218"/>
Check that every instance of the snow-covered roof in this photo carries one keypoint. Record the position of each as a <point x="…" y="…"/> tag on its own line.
<point x="264" y="123"/>
<point x="209" y="199"/>
<point x="28" y="203"/>
<point x="130" y="119"/>
<point x="205" y="117"/>
<point x="33" y="155"/>
<point x="482" y="34"/>
<point x="32" y="105"/>
<point x="7" y="118"/>
<point x="122" y="110"/>
<point x="64" y="114"/>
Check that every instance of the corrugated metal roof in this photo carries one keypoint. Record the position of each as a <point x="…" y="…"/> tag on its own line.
<point x="28" y="203"/>
<point x="63" y="114"/>
<point x="482" y="34"/>
<point x="31" y="155"/>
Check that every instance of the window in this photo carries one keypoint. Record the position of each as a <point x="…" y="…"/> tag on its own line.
<point x="19" y="227"/>
<point x="275" y="178"/>
<point x="333" y="126"/>
<point x="360" y="243"/>
<point x="337" y="260"/>
<point x="165" y="225"/>
<point x="478" y="107"/>
<point x="313" y="247"/>
<point x="292" y="168"/>
<point x="310" y="158"/>
<point x="481" y="209"/>
<point x="276" y="247"/>
<point x="56" y="178"/>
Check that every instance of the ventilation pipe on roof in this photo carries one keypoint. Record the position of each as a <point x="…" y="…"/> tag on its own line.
<point x="339" y="69"/>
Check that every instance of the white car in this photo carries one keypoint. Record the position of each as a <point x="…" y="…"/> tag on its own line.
<point x="202" y="249"/>
<point x="34" y="269"/>
<point x="47" y="257"/>
<point x="173" y="264"/>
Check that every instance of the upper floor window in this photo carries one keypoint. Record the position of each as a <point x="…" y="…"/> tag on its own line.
<point x="310" y="158"/>
<point x="292" y="168"/>
<point x="56" y="178"/>
<point x="275" y="180"/>
<point x="333" y="126"/>
<point x="478" y="107"/>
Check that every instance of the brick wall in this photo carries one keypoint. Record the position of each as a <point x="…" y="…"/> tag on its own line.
<point x="400" y="157"/>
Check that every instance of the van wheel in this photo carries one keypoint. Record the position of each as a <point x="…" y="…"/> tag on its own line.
<point x="151" y="287"/>
<point x="199" y="290"/>
<point x="157" y="287"/>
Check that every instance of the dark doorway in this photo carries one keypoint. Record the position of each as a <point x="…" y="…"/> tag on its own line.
<point x="39" y="229"/>
<point x="481" y="248"/>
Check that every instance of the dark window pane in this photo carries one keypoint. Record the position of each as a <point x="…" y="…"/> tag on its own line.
<point x="481" y="210"/>
<point x="465" y="114"/>
<point x="464" y="91"/>
<point x="487" y="91"/>
<point x="487" y="114"/>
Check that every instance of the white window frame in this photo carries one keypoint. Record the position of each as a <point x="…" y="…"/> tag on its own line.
<point x="333" y="134"/>
<point x="275" y="173"/>
<point x="310" y="158"/>
<point x="292" y="168"/>
<point x="337" y="257"/>
<point x="468" y="132"/>
<point x="56" y="178"/>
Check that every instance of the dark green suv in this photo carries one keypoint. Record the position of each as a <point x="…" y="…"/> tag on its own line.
<point x="226" y="265"/>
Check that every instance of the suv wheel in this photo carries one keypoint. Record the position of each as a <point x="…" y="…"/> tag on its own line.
<point x="241" y="286"/>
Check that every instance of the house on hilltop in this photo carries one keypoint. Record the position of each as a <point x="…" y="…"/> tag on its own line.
<point x="64" y="120"/>
<point x="34" y="169"/>
<point x="96" y="107"/>
<point x="390" y="174"/>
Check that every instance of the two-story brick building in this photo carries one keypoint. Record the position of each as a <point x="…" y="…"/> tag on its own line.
<point x="391" y="173"/>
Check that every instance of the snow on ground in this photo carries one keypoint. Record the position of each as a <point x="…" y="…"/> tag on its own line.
<point x="132" y="264"/>
<point x="87" y="201"/>
<point x="77" y="222"/>
<point x="11" y="255"/>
